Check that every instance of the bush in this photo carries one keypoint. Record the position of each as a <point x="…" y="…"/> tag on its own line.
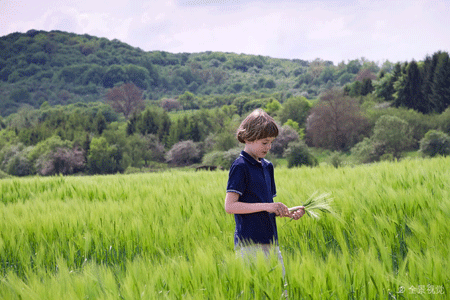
<point x="213" y="158"/>
<point x="286" y="135"/>
<point x="183" y="154"/>
<point x="368" y="151"/>
<point x="335" y="159"/>
<point x="444" y="121"/>
<point x="394" y="133"/>
<point x="63" y="161"/>
<point x="19" y="165"/>
<point x="298" y="154"/>
<point x="221" y="158"/>
<point x="104" y="158"/>
<point x="435" y="143"/>
<point x="14" y="160"/>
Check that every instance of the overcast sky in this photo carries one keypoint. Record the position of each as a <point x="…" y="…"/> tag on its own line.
<point x="340" y="30"/>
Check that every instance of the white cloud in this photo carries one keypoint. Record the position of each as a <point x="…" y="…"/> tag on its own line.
<point x="332" y="30"/>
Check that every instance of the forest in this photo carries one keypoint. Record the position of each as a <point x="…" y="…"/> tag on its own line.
<point x="78" y="104"/>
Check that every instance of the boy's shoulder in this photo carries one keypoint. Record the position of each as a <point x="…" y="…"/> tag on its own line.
<point x="245" y="159"/>
<point x="239" y="161"/>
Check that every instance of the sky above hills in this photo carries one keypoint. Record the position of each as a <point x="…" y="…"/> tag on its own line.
<point x="378" y="30"/>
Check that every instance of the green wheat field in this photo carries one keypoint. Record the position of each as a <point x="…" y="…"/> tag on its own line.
<point x="166" y="236"/>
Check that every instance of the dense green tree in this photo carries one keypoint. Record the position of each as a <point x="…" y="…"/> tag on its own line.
<point x="137" y="75"/>
<point x="164" y="127"/>
<point x="354" y="66"/>
<point x="366" y="87"/>
<point x="104" y="158"/>
<point x="428" y="73"/>
<point x="270" y="84"/>
<point x="20" y="95"/>
<point x="354" y="89"/>
<point x="444" y="121"/>
<point x="298" y="154"/>
<point x="295" y="108"/>
<point x="100" y="123"/>
<point x="440" y="96"/>
<point x="409" y="89"/>
<point x="435" y="143"/>
<point x="385" y="87"/>
<point x="272" y="107"/>
<point x="94" y="75"/>
<point x="153" y="74"/>
<point x="393" y="133"/>
<point x="366" y="151"/>
<point x="147" y="122"/>
<point x="137" y="146"/>
<point x="188" y="100"/>
<point x="113" y="75"/>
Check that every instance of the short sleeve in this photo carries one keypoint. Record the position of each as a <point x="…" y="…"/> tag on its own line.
<point x="237" y="179"/>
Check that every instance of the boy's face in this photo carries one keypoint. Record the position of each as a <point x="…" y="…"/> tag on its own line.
<point x="259" y="148"/>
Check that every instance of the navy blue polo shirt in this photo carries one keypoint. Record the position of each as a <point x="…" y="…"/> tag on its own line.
<point x="254" y="182"/>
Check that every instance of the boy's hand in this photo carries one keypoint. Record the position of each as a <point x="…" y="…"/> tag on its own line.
<point x="296" y="212"/>
<point x="279" y="209"/>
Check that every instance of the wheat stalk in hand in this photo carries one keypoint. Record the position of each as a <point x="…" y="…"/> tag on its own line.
<point x="314" y="204"/>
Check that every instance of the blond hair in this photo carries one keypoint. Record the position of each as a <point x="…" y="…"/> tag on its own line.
<point x="257" y="125"/>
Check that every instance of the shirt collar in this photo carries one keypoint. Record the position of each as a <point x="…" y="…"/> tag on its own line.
<point x="251" y="160"/>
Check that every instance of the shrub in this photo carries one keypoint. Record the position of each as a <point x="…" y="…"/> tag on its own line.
<point x="444" y="119"/>
<point x="104" y="158"/>
<point x="14" y="160"/>
<point x="435" y="143"/>
<point x="213" y="158"/>
<point x="183" y="153"/>
<point x="286" y="135"/>
<point x="335" y="159"/>
<point x="19" y="165"/>
<point x="368" y="151"/>
<point x="63" y="161"/>
<point x="394" y="133"/>
<point x="221" y="158"/>
<point x="298" y="154"/>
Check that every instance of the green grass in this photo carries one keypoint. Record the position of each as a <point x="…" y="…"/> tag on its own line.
<point x="167" y="236"/>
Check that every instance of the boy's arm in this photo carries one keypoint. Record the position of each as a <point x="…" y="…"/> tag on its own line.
<point x="233" y="206"/>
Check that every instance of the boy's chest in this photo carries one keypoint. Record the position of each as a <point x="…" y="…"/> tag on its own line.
<point x="260" y="181"/>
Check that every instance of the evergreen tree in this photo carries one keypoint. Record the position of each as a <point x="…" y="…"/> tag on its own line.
<point x="100" y="122"/>
<point x="429" y="68"/>
<point x="132" y="124"/>
<point x="440" y="96"/>
<point x="409" y="92"/>
<point x="147" y="123"/>
<point x="366" y="87"/>
<point x="164" y="127"/>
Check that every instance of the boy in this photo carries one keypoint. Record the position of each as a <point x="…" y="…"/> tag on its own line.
<point x="251" y="188"/>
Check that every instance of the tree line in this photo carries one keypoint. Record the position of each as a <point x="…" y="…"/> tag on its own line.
<point x="64" y="68"/>
<point x="128" y="120"/>
<point x="95" y="138"/>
